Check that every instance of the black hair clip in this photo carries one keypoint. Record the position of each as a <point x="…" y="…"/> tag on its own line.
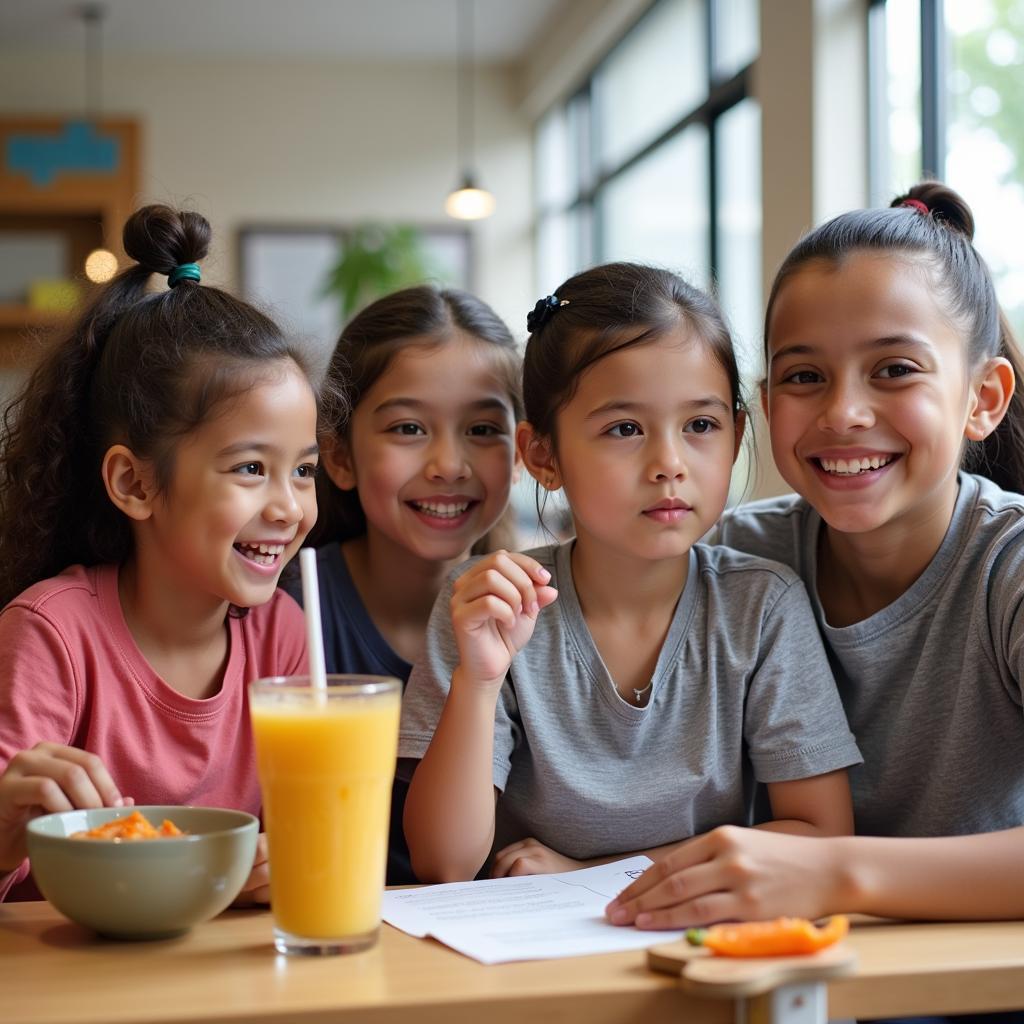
<point x="543" y="311"/>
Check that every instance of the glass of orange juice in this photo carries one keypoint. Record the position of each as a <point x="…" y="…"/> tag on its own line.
<point x="326" y="761"/>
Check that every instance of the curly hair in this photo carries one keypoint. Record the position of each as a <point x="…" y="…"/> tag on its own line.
<point x="138" y="368"/>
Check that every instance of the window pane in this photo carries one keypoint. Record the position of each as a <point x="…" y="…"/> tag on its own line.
<point x="739" y="231"/>
<point x="902" y="151"/>
<point x="553" y="159"/>
<point x="657" y="74"/>
<point x="985" y="161"/>
<point x="657" y="211"/>
<point x="554" y="252"/>
<point x="582" y="159"/>
<point x="737" y="35"/>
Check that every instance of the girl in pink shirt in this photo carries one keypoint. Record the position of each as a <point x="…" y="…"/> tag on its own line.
<point x="156" y="475"/>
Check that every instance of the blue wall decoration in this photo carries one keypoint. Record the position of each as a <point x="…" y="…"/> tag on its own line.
<point x="78" y="148"/>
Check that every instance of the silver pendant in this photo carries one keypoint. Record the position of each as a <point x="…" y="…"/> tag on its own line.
<point x="638" y="694"/>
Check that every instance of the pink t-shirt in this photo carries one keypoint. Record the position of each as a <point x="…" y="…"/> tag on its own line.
<point x="71" y="673"/>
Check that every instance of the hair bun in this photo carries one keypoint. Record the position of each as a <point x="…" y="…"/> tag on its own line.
<point x="160" y="239"/>
<point x="944" y="204"/>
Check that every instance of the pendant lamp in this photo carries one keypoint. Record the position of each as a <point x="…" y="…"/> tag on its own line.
<point x="100" y="264"/>
<point x="468" y="201"/>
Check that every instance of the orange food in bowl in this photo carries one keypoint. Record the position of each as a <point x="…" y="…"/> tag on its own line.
<point x="132" y="827"/>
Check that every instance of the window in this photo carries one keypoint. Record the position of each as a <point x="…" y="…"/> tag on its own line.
<point x="285" y="270"/>
<point x="657" y="159"/>
<point x="949" y="104"/>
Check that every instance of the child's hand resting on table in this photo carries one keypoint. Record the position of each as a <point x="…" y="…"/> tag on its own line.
<point x="46" y="779"/>
<point x="494" y="608"/>
<point x="732" y="874"/>
<point x="531" y="857"/>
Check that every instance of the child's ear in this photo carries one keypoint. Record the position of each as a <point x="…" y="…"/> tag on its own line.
<point x="992" y="392"/>
<point x="129" y="482"/>
<point x="538" y="457"/>
<point x="337" y="461"/>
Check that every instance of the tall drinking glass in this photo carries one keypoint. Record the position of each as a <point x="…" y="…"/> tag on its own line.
<point x="326" y="761"/>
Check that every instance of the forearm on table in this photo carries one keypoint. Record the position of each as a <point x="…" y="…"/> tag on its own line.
<point x="799" y="827"/>
<point x="816" y="806"/>
<point x="449" y="811"/>
<point x="958" y="877"/>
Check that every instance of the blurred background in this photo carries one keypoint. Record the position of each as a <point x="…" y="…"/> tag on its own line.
<point x="323" y="140"/>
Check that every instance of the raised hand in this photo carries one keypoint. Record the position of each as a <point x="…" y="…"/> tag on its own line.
<point x="494" y="609"/>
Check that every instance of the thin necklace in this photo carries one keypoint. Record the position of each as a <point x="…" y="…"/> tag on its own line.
<point x="638" y="694"/>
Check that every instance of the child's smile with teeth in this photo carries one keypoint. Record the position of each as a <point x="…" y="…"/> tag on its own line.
<point x="443" y="510"/>
<point x="260" y="553"/>
<point x="854" y="466"/>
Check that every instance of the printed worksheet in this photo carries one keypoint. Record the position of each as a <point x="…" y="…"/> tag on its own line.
<point x="537" y="917"/>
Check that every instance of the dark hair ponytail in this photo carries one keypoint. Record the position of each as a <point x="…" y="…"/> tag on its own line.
<point x="138" y="368"/>
<point x="933" y="224"/>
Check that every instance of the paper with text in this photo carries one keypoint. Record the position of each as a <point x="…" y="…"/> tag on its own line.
<point x="535" y="917"/>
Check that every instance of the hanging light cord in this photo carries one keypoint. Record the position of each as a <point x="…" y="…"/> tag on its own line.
<point x="92" y="18"/>
<point x="464" y="43"/>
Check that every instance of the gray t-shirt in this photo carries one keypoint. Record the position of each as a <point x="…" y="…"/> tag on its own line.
<point x="932" y="683"/>
<point x="741" y="691"/>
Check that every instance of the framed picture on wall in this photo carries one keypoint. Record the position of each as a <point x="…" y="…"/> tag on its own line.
<point x="285" y="269"/>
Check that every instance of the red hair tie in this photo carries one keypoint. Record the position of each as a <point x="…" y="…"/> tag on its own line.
<point x="916" y="204"/>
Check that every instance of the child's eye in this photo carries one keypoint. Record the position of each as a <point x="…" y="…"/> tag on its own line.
<point x="307" y="471"/>
<point x="625" y="430"/>
<point x="895" y="370"/>
<point x="802" y="377"/>
<point x="407" y="429"/>
<point x="484" y="430"/>
<point x="250" y="469"/>
<point x="701" y="425"/>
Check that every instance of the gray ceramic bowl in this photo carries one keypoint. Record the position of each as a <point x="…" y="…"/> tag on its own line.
<point x="150" y="889"/>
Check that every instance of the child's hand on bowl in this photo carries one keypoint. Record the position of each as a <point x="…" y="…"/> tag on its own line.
<point x="49" y="778"/>
<point x="257" y="885"/>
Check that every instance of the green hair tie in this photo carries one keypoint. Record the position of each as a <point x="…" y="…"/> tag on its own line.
<point x="183" y="272"/>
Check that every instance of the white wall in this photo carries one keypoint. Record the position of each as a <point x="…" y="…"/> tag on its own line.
<point x="309" y="142"/>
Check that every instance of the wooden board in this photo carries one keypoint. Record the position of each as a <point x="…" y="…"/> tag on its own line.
<point x="726" y="977"/>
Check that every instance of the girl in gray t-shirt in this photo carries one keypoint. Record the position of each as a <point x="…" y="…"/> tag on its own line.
<point x="890" y="370"/>
<point x="624" y="691"/>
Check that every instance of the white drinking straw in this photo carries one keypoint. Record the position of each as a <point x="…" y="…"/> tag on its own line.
<point x="314" y="630"/>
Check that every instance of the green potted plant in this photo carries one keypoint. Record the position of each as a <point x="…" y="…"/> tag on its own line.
<point x="376" y="259"/>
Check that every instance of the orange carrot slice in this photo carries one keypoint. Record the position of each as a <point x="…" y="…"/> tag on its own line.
<point x="785" y="936"/>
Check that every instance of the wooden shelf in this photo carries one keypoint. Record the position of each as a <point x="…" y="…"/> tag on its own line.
<point x="85" y="202"/>
<point x="15" y="316"/>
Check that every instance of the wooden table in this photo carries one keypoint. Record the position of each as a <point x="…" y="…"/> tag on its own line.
<point x="226" y="972"/>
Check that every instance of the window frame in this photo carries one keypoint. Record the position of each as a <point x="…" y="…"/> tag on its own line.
<point x="934" y="103"/>
<point x="583" y="204"/>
